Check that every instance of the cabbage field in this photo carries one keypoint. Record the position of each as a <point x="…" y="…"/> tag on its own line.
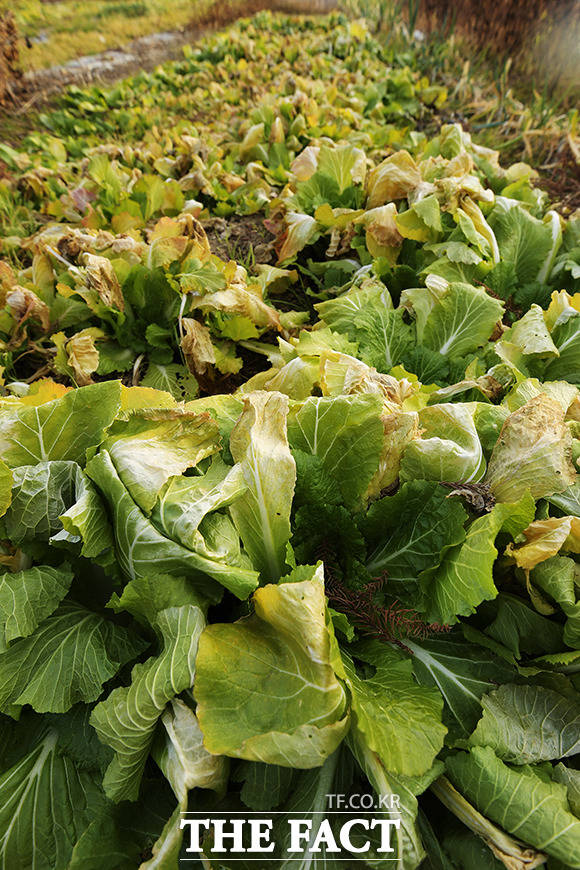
<point x="289" y="437"/>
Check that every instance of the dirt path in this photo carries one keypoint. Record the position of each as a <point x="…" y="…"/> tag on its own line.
<point x="146" y="52"/>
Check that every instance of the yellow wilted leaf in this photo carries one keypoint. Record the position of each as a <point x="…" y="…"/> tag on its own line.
<point x="197" y="346"/>
<point x="545" y="538"/>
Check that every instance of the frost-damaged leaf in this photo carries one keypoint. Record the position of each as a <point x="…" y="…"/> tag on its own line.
<point x="527" y="724"/>
<point x="406" y="533"/>
<point x="301" y="230"/>
<point x="242" y="300"/>
<point x="127" y="719"/>
<point x="534" y="452"/>
<point x="265" y="686"/>
<point x="24" y="304"/>
<point x="524" y="801"/>
<point x="382" y="237"/>
<point x="102" y="279"/>
<point x="78" y="356"/>
<point x="422" y="221"/>
<point x="465" y="577"/>
<point x="399" y="429"/>
<point x="346" y="432"/>
<point x="463" y="673"/>
<point x="143" y="550"/>
<point x="197" y="346"/>
<point x="527" y="341"/>
<point x="259" y="443"/>
<point x="544" y="539"/>
<point x="67" y="659"/>
<point x="392" y="179"/>
<point x="225" y="409"/>
<point x="27" y="597"/>
<point x="151" y="446"/>
<point x="399" y="720"/>
<point x="61" y="429"/>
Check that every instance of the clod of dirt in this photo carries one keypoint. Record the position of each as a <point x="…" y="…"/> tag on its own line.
<point x="242" y="238"/>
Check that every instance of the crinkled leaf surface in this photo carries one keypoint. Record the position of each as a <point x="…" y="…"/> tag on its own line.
<point x="533" y="452"/>
<point x="185" y="501"/>
<point x="527" y="724"/>
<point x="41" y="493"/>
<point x="152" y="446"/>
<point x="449" y="448"/>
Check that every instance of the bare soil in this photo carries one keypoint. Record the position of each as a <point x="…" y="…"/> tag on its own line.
<point x="240" y="237"/>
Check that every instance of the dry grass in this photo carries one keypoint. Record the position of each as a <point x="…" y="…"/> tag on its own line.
<point x="55" y="33"/>
<point x="541" y="36"/>
<point x="9" y="70"/>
